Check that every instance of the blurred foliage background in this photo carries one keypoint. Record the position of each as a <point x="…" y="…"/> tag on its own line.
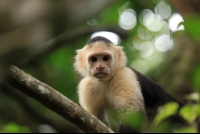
<point x="160" y="37"/>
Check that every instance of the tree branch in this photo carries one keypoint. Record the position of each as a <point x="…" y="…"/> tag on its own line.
<point x="55" y="101"/>
<point x="30" y="112"/>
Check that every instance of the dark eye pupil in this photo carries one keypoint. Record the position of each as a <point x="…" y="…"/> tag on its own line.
<point x="94" y="59"/>
<point x="105" y="58"/>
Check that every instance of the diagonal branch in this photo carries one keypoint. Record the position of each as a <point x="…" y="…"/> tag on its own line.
<point x="55" y="101"/>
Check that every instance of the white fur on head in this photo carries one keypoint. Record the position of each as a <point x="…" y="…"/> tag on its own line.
<point x="120" y="59"/>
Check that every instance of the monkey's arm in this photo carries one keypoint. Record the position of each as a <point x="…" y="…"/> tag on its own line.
<point x="90" y="98"/>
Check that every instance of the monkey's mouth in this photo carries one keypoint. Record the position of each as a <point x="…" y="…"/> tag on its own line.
<point x="101" y="73"/>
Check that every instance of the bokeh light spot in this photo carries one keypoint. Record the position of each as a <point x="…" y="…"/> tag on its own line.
<point x="146" y="49"/>
<point x="164" y="43"/>
<point x="174" y="20"/>
<point x="163" y="10"/>
<point x="144" y="33"/>
<point x="144" y="14"/>
<point x="152" y="22"/>
<point x="128" y="19"/>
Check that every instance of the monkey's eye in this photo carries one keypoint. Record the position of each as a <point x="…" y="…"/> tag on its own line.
<point x="105" y="58"/>
<point x="94" y="59"/>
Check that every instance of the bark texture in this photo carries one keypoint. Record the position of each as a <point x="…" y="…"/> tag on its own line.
<point x="55" y="101"/>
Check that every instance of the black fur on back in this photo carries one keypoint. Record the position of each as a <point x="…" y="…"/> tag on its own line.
<point x="99" y="38"/>
<point x="154" y="95"/>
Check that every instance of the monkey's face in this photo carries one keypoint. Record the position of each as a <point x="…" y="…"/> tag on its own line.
<point x="99" y="59"/>
<point x="99" y="62"/>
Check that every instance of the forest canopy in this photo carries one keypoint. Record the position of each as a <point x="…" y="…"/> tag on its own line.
<point x="160" y="38"/>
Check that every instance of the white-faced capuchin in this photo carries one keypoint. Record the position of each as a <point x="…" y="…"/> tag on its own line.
<point x="109" y="84"/>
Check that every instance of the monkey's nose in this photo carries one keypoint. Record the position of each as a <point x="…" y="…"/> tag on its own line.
<point x="100" y="68"/>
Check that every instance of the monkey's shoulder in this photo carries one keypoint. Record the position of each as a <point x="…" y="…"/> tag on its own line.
<point x="85" y="81"/>
<point x="126" y="76"/>
<point x="125" y="83"/>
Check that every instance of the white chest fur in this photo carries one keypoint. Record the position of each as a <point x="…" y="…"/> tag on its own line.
<point x="121" y="92"/>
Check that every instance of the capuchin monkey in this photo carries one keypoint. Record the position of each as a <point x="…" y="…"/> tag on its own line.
<point x="109" y="84"/>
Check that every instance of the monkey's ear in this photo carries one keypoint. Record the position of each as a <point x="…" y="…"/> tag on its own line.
<point x="79" y="57"/>
<point x="121" y="54"/>
<point x="122" y="60"/>
<point x="79" y="62"/>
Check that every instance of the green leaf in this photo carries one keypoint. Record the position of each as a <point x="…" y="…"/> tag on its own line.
<point x="14" y="128"/>
<point x="190" y="113"/>
<point x="186" y="130"/>
<point x="198" y="109"/>
<point x="166" y="111"/>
